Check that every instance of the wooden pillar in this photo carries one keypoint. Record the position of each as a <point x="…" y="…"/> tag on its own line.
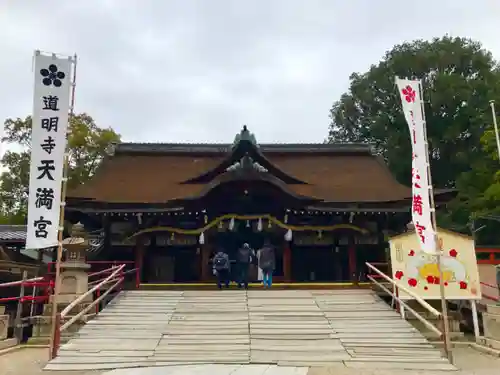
<point x="353" y="269"/>
<point x="287" y="262"/>
<point x="139" y="255"/>
<point x="205" y="259"/>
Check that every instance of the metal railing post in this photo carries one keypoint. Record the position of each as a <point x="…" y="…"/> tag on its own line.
<point x="18" y="324"/>
<point x="56" y="343"/>
<point x="98" y="294"/>
<point x="137" y="277"/>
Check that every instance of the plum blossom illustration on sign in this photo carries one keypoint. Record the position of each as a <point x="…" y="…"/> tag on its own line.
<point x="52" y="76"/>
<point x="409" y="94"/>
<point x="422" y="268"/>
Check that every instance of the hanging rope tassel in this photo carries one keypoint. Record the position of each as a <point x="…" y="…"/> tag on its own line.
<point x="202" y="238"/>
<point x="231" y="224"/>
<point x="259" y="225"/>
<point x="288" y="235"/>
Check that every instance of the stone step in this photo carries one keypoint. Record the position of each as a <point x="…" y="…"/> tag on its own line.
<point x="280" y="308"/>
<point x="377" y="335"/>
<point x="105" y="353"/>
<point x="364" y="315"/>
<point x="281" y="301"/>
<point x="366" y="363"/>
<point x="292" y="336"/>
<point x="385" y="330"/>
<point x="181" y="348"/>
<point x="390" y="345"/>
<point x="379" y="340"/>
<point x="289" y="331"/>
<point x="172" y="330"/>
<point x="291" y="342"/>
<point x="298" y="348"/>
<point x="316" y="313"/>
<point x="196" y="340"/>
<point x="409" y="352"/>
<point x="283" y="327"/>
<point x="265" y="356"/>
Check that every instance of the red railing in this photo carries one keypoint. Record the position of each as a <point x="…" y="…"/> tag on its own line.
<point x="116" y="278"/>
<point x="33" y="283"/>
<point x="488" y="295"/>
<point x="101" y="267"/>
<point x="28" y="283"/>
<point x="44" y="286"/>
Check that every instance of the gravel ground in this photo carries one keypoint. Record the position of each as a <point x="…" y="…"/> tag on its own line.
<point x="471" y="362"/>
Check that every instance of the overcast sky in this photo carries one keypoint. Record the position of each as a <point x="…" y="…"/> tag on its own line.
<point x="195" y="71"/>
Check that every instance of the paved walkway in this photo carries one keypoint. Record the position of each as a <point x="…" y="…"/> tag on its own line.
<point x="295" y="328"/>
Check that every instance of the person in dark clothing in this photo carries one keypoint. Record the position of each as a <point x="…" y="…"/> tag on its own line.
<point x="243" y="260"/>
<point x="222" y="268"/>
<point x="267" y="262"/>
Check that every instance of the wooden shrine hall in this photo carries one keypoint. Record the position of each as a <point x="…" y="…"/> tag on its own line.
<point x="327" y="208"/>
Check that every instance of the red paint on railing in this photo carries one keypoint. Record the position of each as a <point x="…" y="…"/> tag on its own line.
<point x="56" y="343"/>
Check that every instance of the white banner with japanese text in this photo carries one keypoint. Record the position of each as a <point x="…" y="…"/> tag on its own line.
<point x="409" y="91"/>
<point x="51" y="103"/>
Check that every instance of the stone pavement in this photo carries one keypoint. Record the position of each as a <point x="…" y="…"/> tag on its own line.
<point x="288" y="328"/>
<point x="30" y="361"/>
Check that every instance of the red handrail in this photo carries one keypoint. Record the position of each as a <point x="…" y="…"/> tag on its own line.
<point x="488" y="296"/>
<point x="19" y="282"/>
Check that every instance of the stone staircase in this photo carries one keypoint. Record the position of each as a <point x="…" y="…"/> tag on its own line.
<point x="351" y="328"/>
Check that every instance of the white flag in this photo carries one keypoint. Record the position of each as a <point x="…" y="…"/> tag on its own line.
<point x="51" y="104"/>
<point x="409" y="90"/>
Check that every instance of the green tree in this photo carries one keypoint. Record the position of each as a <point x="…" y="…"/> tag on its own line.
<point x="87" y="143"/>
<point x="459" y="78"/>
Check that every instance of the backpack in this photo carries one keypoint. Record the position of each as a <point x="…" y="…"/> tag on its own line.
<point x="221" y="262"/>
<point x="266" y="259"/>
<point x="244" y="255"/>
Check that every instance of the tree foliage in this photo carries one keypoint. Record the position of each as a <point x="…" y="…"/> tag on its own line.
<point x="459" y="79"/>
<point x="87" y="143"/>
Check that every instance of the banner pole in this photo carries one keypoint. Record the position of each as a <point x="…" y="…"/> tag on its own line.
<point x="444" y="306"/>
<point x="495" y="125"/>
<point x="55" y="296"/>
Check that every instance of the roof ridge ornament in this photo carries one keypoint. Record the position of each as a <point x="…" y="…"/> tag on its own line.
<point x="245" y="135"/>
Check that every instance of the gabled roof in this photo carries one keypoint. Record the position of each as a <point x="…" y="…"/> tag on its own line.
<point x="154" y="173"/>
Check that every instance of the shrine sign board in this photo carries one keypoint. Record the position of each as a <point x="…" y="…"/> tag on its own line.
<point x="417" y="270"/>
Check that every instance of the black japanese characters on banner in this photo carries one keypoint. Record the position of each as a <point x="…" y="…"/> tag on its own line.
<point x="50" y="119"/>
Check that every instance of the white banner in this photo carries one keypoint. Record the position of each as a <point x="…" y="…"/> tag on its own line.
<point x="421" y="209"/>
<point x="51" y="104"/>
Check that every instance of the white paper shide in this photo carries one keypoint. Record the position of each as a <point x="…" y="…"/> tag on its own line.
<point x="410" y="92"/>
<point x="51" y="104"/>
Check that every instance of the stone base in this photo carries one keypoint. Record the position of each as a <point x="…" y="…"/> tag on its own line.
<point x="42" y="325"/>
<point x="495" y="344"/>
<point x="4" y="326"/>
<point x="7" y="343"/>
<point x="491" y="324"/>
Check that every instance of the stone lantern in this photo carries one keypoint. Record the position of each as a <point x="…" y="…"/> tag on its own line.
<point x="74" y="277"/>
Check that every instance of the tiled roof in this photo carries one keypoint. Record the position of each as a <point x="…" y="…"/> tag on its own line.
<point x="14" y="233"/>
<point x="339" y="173"/>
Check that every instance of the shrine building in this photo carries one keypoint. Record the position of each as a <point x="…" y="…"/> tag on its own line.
<point x="327" y="208"/>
